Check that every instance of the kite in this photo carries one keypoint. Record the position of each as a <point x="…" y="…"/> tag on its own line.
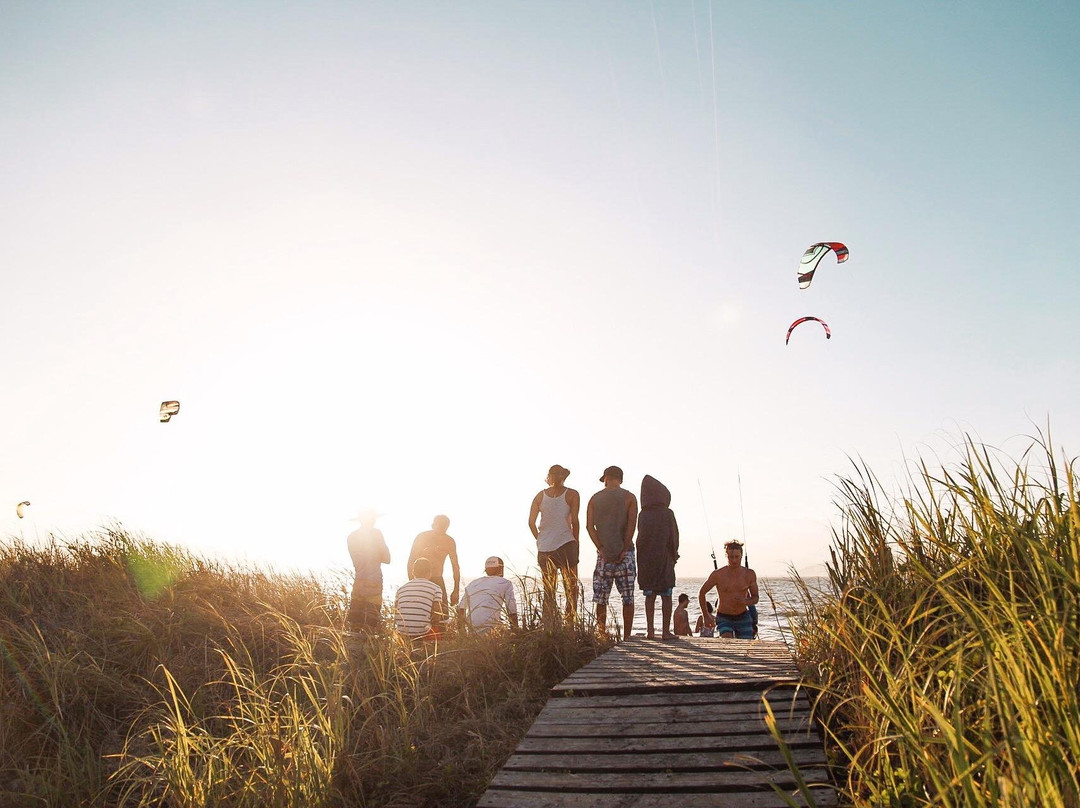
<point x="828" y="333"/>
<point x="20" y="509"/>
<point x="168" y="410"/>
<point x="812" y="257"/>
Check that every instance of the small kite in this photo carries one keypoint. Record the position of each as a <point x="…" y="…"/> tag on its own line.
<point x="812" y="257"/>
<point x="20" y="509"/>
<point x="828" y="333"/>
<point x="168" y="410"/>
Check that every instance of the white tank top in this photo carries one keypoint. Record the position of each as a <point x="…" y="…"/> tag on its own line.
<point x="554" y="523"/>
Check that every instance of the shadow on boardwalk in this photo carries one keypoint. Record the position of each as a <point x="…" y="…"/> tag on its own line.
<point x="662" y="724"/>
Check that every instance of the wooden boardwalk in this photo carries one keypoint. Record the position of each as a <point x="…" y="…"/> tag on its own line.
<point x="653" y="724"/>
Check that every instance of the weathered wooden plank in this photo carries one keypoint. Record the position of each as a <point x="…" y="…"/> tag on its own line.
<point x="504" y="798"/>
<point x="647" y="745"/>
<point x="637" y="688"/>
<point x="727" y="779"/>
<point x="665" y="698"/>
<point x="665" y="761"/>
<point x="666" y="714"/>
<point x="631" y="728"/>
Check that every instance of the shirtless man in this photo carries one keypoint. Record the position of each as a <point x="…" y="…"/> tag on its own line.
<point x="680" y="620"/>
<point x="737" y="590"/>
<point x="435" y="545"/>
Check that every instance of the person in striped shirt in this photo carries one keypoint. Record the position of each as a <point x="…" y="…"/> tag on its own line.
<point x="420" y="605"/>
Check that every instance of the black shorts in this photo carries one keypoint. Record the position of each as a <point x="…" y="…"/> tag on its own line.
<point x="562" y="557"/>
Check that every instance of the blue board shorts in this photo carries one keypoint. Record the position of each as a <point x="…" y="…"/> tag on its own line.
<point x="664" y="594"/>
<point x="742" y="626"/>
<point x="621" y="574"/>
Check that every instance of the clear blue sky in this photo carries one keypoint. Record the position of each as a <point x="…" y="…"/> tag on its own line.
<point x="410" y="254"/>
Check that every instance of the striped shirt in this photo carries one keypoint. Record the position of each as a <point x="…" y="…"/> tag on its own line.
<point x="413" y="606"/>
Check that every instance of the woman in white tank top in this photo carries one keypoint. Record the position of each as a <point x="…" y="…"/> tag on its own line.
<point x="557" y="539"/>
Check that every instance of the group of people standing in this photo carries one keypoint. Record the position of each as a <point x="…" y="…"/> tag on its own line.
<point x="612" y="518"/>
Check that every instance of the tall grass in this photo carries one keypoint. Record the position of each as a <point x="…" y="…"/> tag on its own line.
<point x="947" y="651"/>
<point x="133" y="674"/>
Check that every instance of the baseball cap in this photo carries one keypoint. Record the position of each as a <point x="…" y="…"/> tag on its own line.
<point x="493" y="562"/>
<point x="612" y="471"/>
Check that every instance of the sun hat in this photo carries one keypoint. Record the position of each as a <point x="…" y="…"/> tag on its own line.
<point x="366" y="513"/>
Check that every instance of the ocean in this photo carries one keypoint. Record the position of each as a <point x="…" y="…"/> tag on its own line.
<point x="778" y="599"/>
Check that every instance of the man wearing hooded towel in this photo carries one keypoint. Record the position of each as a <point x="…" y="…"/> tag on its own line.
<point x="657" y="552"/>
<point x="610" y="519"/>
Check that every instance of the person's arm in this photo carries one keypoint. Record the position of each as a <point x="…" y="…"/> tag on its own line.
<point x="440" y="611"/>
<point x="753" y="599"/>
<point x="590" y="526"/>
<point x="573" y="501"/>
<point x="511" y="606"/>
<point x="631" y="523"/>
<point x="384" y="551"/>
<point x="454" y="567"/>
<point x="413" y="555"/>
<point x="705" y="587"/>
<point x="534" y="512"/>
<point x="674" y="537"/>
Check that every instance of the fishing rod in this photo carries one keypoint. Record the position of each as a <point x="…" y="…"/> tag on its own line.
<point x="742" y="516"/>
<point x="746" y="555"/>
<point x="712" y="547"/>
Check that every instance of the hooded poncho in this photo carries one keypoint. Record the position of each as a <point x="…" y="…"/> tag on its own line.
<point x="658" y="537"/>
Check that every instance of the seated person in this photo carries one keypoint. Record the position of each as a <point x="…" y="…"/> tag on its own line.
<point x="485" y="598"/>
<point x="420" y="605"/>
<point x="702" y="629"/>
<point x="680" y="618"/>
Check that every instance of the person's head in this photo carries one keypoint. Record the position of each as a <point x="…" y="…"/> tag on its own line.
<point x="684" y="599"/>
<point x="612" y="476"/>
<point x="367" y="517"/>
<point x="440" y="523"/>
<point x="734" y="551"/>
<point x="421" y="568"/>
<point x="494" y="566"/>
<point x="557" y="475"/>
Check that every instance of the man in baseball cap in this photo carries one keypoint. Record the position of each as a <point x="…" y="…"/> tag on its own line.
<point x="486" y="598"/>
<point x="611" y="519"/>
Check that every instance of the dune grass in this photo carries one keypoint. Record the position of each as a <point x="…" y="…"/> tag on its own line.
<point x="135" y="674"/>
<point x="946" y="653"/>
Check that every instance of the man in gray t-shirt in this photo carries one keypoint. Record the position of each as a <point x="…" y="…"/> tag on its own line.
<point x="610" y="519"/>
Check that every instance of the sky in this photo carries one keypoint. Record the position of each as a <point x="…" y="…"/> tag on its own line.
<point x="407" y="255"/>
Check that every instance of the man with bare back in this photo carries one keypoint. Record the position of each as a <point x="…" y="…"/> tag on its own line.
<point x="435" y="545"/>
<point x="737" y="589"/>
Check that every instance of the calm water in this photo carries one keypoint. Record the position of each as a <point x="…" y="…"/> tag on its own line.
<point x="773" y="612"/>
<point x="772" y="620"/>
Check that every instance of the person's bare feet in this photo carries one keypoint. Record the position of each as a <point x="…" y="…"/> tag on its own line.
<point x="669" y="636"/>
<point x="651" y="636"/>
